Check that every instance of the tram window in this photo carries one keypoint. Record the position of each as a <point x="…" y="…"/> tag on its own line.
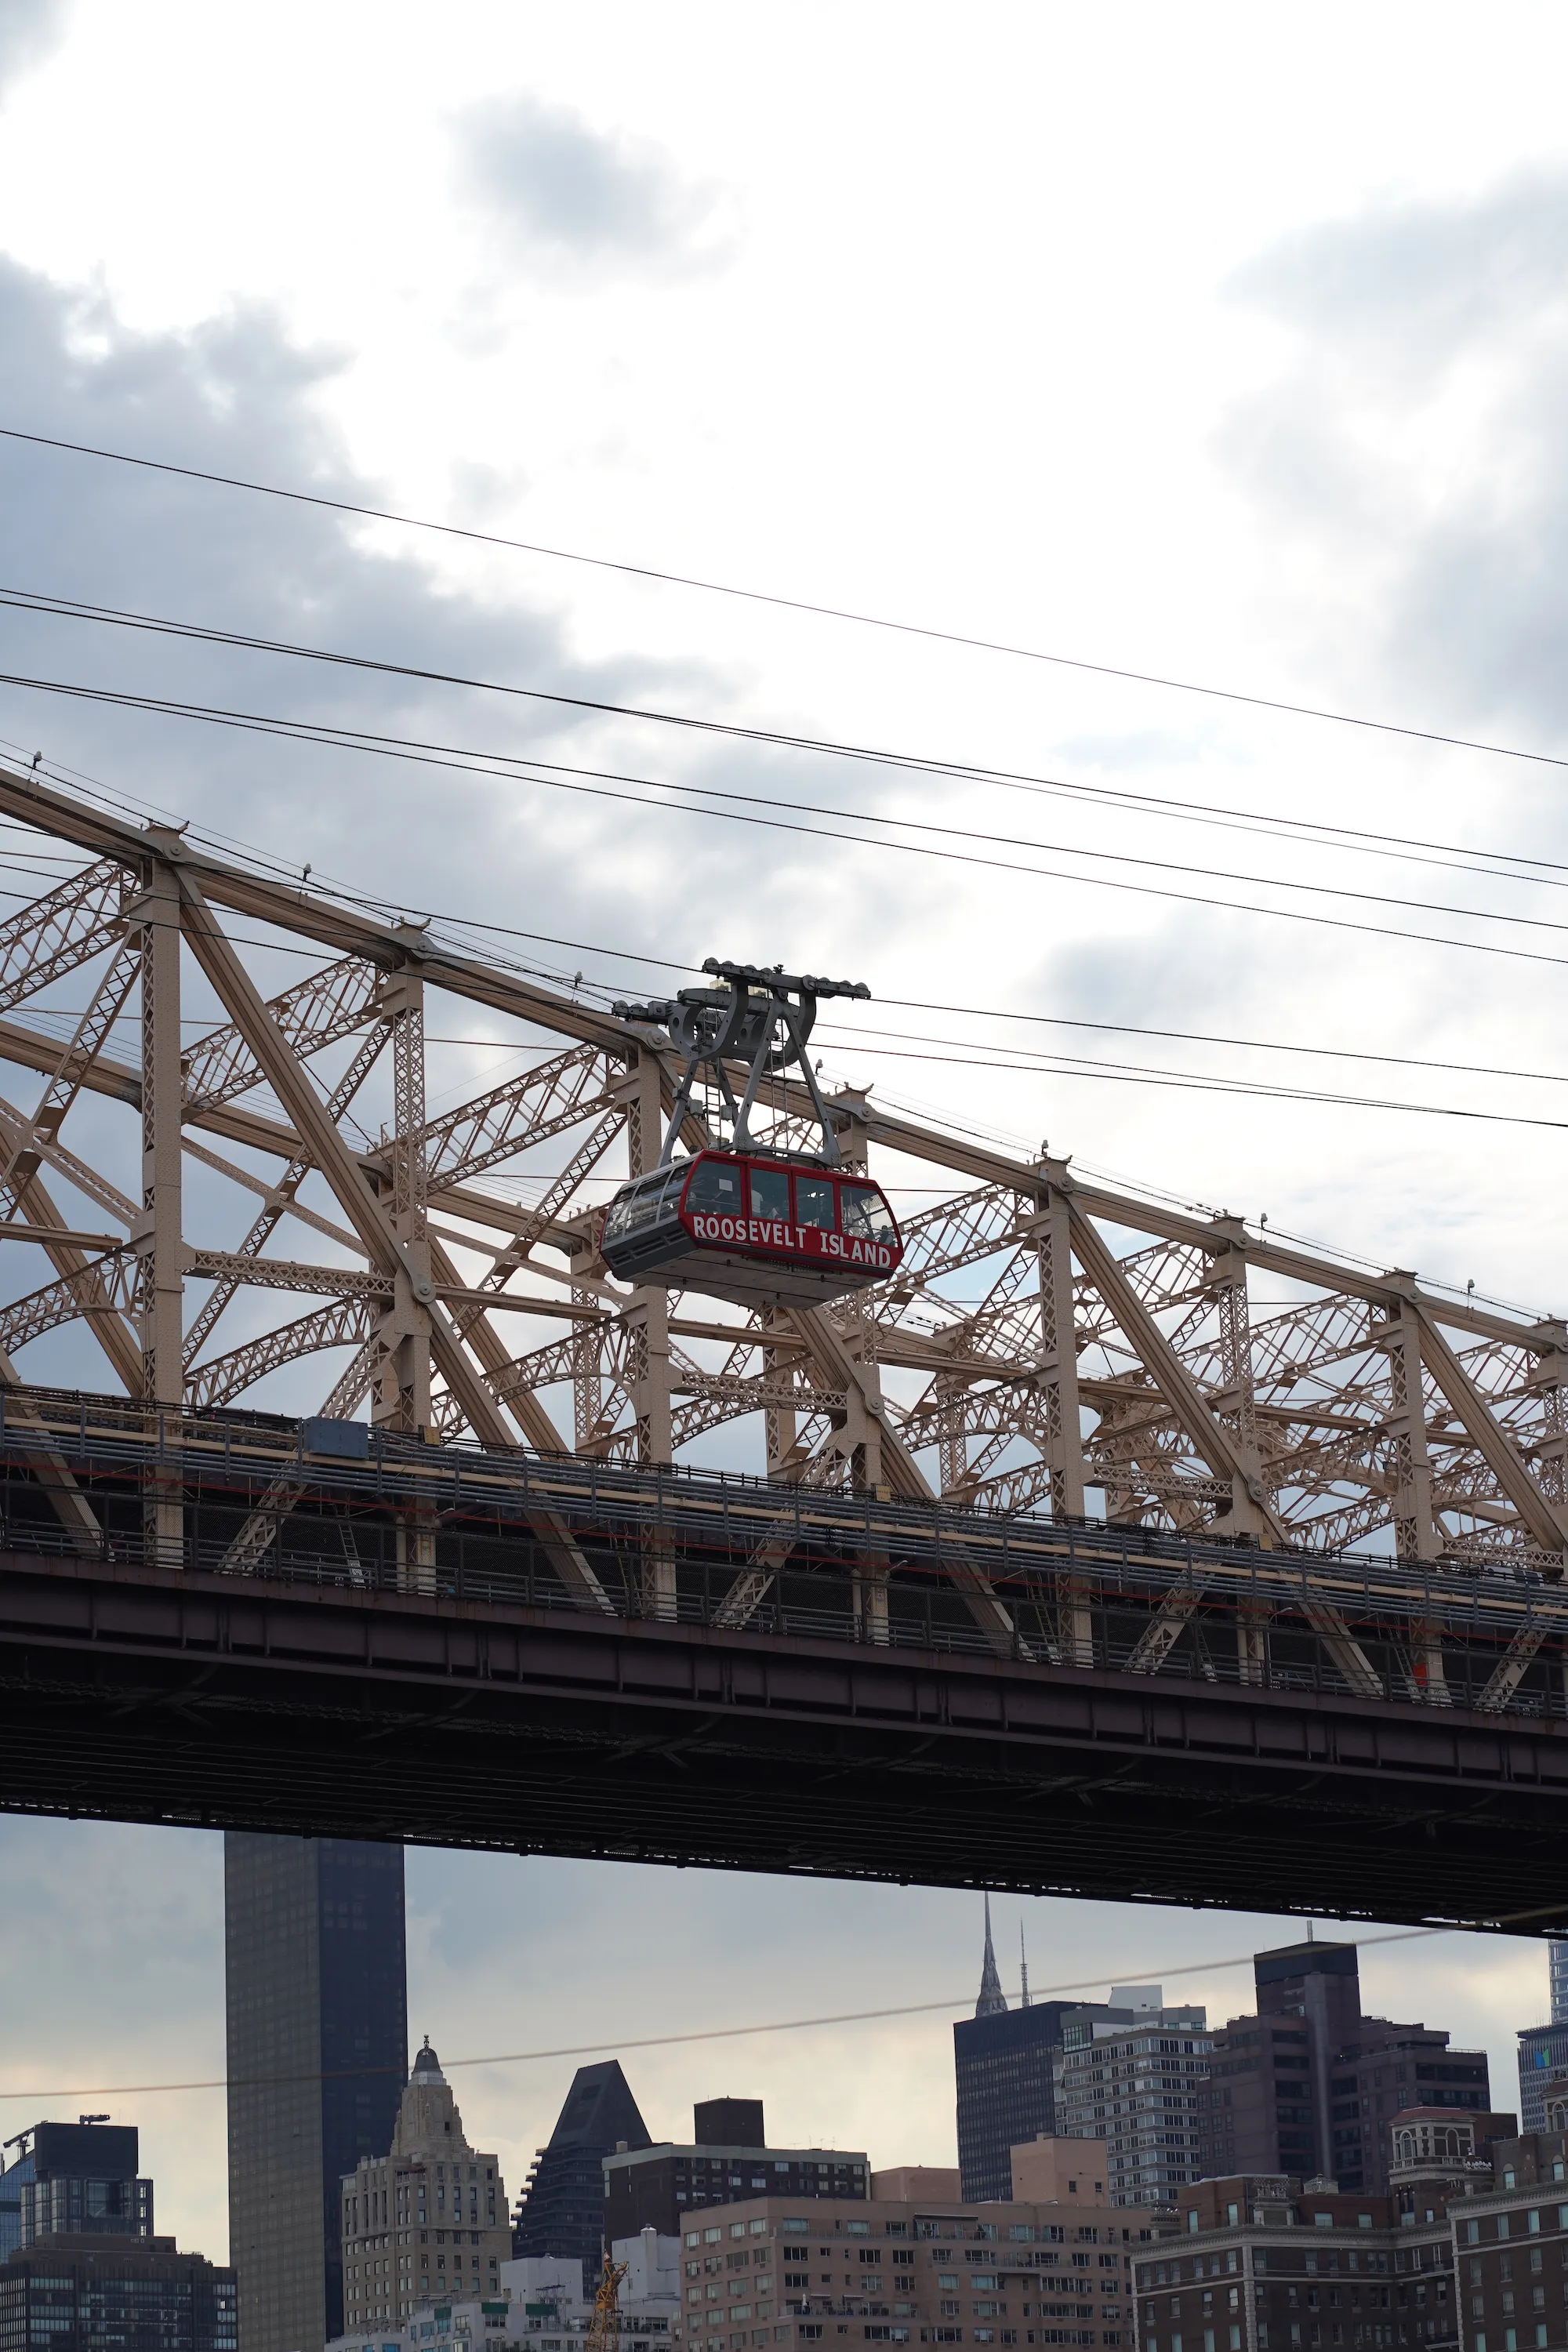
<point x="769" y="1193"/>
<point x="642" y="1204"/>
<point x="865" y="1213"/>
<point x="714" y="1186"/>
<point x="814" y="1201"/>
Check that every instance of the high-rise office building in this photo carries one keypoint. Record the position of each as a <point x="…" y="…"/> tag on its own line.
<point x="1542" y="2061"/>
<point x="1310" y="2085"/>
<point x="561" y="2211"/>
<point x="318" y="2046"/>
<point x="74" y="2178"/>
<point x="1002" y="2071"/>
<point x="87" y="2291"/>
<point x="1132" y="2073"/>
<point x="1557" y="1968"/>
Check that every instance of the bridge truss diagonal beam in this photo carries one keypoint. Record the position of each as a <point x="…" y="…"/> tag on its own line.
<point x="1110" y="1367"/>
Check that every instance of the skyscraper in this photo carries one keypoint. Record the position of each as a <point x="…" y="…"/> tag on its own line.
<point x="1557" y="1961"/>
<point x="563" y="2209"/>
<point x="441" y="2203"/>
<point x="1132" y="2072"/>
<point x="1543" y="2059"/>
<point x="1310" y="2083"/>
<point x="71" y="2177"/>
<point x="1002" y="2069"/>
<point x="317" y="2045"/>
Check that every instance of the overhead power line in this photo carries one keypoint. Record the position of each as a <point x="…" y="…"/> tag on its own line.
<point x="1192" y="1082"/>
<point x="515" y="767"/>
<point x="705" y="2033"/>
<point x="787" y="603"/>
<point x="1078" y="1066"/>
<point x="1406" y="848"/>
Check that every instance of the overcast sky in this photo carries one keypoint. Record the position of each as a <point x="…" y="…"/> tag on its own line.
<point x="1223" y="343"/>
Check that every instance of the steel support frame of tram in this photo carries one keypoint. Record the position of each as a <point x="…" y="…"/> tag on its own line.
<point x="1115" y="1349"/>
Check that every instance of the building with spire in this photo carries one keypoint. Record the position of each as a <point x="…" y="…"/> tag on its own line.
<point x="1003" y="2071"/>
<point x="429" y="2219"/>
<point x="561" y="2211"/>
<point x="993" y="2000"/>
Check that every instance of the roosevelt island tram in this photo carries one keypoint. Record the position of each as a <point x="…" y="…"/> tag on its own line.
<point x="738" y="1220"/>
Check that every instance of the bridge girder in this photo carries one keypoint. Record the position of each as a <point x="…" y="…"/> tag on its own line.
<point x="1112" y="1354"/>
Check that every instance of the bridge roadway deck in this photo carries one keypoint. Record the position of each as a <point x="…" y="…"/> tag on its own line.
<point x="403" y="1661"/>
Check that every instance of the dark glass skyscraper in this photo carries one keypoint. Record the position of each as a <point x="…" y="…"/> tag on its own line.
<point x="1002" y="2063"/>
<point x="74" y="2176"/>
<point x="317" y="2050"/>
<point x="563" y="2211"/>
<point x="1006" y="2092"/>
<point x="78" y="2292"/>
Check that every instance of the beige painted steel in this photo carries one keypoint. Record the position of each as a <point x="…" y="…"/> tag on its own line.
<point x="1113" y="1351"/>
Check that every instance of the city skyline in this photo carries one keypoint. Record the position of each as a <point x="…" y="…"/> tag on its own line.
<point x="506" y="1958"/>
<point x="1012" y="365"/>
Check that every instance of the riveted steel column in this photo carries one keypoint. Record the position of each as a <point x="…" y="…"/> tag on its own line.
<point x="648" y="1329"/>
<point x="159" y="1237"/>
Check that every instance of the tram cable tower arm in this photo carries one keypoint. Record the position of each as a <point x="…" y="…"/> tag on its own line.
<point x="760" y="1014"/>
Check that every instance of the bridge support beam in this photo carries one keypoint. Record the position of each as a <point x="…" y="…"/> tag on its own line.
<point x="160" y="1237"/>
<point x="1056" y="1371"/>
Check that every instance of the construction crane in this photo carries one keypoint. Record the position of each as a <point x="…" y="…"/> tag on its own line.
<point x="605" y="2329"/>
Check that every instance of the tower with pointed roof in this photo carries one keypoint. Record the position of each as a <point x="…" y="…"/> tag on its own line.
<point x="426" y="2220"/>
<point x="561" y="2211"/>
<point x="992" y="2000"/>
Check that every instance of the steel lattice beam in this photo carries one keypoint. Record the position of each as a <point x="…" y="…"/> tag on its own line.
<point x="1112" y="1362"/>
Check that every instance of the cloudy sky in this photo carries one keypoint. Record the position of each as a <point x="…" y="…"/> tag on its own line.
<point x="1227" y="345"/>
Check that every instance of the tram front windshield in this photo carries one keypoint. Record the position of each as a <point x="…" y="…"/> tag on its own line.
<point x="866" y="1214"/>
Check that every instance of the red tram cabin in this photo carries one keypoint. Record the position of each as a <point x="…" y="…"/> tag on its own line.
<point x="752" y="1229"/>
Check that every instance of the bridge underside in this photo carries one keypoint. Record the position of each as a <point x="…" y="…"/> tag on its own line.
<point x="509" y="1652"/>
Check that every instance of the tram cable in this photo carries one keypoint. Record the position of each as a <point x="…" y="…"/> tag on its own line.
<point x="556" y="774"/>
<point x="1061" y="1066"/>
<point x="725" y="2032"/>
<point x="1359" y="839"/>
<point x="782" y="602"/>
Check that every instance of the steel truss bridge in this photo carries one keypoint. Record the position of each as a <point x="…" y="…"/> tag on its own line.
<point x="906" y="1650"/>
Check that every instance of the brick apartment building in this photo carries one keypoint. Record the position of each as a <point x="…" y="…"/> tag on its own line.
<point x="1469" y="2251"/>
<point x="843" y="2273"/>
